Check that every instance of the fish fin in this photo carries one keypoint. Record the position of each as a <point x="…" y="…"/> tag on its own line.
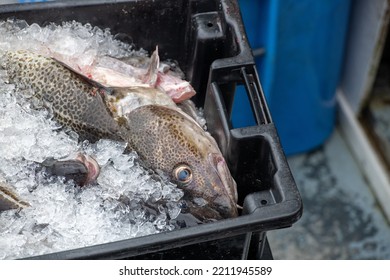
<point x="152" y="73"/>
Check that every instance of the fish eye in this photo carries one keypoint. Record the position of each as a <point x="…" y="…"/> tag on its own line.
<point x="183" y="174"/>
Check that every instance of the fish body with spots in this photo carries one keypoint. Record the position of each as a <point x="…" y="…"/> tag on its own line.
<point x="74" y="102"/>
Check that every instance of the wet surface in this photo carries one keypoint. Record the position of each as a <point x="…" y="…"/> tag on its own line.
<point x="341" y="218"/>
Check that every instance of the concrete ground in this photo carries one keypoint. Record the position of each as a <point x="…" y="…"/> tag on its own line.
<point x="341" y="218"/>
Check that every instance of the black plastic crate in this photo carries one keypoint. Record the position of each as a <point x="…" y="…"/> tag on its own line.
<point x="208" y="40"/>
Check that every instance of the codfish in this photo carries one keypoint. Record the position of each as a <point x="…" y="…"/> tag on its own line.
<point x="166" y="139"/>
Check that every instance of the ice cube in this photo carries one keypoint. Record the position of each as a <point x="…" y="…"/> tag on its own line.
<point x="160" y="223"/>
<point x="35" y="31"/>
<point x="108" y="149"/>
<point x="173" y="210"/>
<point x="124" y="162"/>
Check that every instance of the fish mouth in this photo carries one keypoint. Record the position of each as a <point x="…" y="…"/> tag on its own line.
<point x="82" y="169"/>
<point x="226" y="202"/>
<point x="92" y="167"/>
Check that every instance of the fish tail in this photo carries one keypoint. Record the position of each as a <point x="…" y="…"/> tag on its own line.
<point x="9" y="199"/>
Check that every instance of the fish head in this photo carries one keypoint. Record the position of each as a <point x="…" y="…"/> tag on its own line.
<point x="210" y="192"/>
<point x="172" y="142"/>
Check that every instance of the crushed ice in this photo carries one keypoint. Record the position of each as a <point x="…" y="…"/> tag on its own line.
<point x="126" y="201"/>
<point x="69" y="39"/>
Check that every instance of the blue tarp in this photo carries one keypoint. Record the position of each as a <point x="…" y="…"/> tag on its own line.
<point x="300" y="69"/>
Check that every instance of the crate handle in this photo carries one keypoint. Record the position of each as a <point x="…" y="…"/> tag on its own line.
<point x="257" y="101"/>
